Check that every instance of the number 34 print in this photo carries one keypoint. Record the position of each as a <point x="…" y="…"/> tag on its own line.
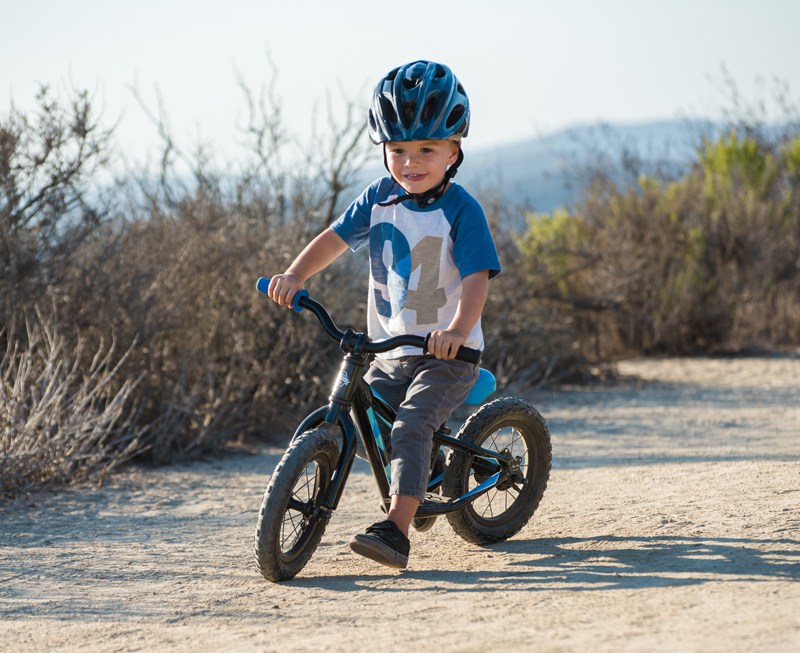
<point x="394" y="264"/>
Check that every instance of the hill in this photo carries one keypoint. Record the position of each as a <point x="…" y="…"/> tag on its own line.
<point x="543" y="173"/>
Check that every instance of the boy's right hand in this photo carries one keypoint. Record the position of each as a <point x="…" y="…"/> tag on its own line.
<point x="283" y="288"/>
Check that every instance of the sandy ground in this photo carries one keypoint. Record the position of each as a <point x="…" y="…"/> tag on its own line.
<point x="671" y="523"/>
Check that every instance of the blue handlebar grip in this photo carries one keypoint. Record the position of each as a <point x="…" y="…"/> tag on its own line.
<point x="263" y="287"/>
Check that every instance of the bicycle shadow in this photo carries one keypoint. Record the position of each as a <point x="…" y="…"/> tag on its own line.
<point x="600" y="563"/>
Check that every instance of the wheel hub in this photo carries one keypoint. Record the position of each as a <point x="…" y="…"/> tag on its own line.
<point x="515" y="475"/>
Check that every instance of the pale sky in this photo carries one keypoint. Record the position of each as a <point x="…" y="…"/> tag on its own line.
<point x="529" y="66"/>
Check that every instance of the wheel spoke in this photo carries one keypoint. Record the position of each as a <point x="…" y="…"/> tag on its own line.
<point x="295" y="520"/>
<point x="290" y="535"/>
<point x="495" y="502"/>
<point x="489" y="499"/>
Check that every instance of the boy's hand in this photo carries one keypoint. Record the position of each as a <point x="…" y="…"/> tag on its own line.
<point x="444" y="344"/>
<point x="283" y="288"/>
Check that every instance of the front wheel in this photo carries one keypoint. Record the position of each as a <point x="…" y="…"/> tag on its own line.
<point x="290" y="524"/>
<point x="508" y="425"/>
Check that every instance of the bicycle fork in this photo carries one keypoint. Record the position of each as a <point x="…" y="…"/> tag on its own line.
<point x="337" y="415"/>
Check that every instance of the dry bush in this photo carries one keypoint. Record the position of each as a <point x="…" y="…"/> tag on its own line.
<point x="49" y="201"/>
<point x="218" y="361"/>
<point x="171" y="266"/>
<point x="176" y="271"/>
<point x="60" y="421"/>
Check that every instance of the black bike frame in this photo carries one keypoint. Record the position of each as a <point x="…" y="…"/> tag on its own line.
<point x="353" y="408"/>
<point x="356" y="410"/>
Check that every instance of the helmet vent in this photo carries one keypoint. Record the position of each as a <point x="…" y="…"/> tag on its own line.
<point x="455" y="115"/>
<point x="429" y="110"/>
<point x="388" y="110"/>
<point x="409" y="109"/>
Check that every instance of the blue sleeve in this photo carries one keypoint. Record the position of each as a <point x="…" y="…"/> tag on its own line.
<point x="473" y="246"/>
<point x="353" y="225"/>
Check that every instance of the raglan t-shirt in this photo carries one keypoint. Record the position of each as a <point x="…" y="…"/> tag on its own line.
<point x="418" y="257"/>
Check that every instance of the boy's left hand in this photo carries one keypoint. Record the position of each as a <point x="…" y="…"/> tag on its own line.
<point x="445" y="343"/>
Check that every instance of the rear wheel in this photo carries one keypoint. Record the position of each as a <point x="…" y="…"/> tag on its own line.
<point x="290" y="524"/>
<point x="509" y="425"/>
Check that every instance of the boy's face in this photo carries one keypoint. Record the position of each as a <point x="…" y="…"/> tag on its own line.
<point x="419" y="166"/>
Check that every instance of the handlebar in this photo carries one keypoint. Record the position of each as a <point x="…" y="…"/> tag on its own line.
<point x="302" y="300"/>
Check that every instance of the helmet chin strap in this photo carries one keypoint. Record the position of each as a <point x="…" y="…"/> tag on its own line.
<point x="429" y="196"/>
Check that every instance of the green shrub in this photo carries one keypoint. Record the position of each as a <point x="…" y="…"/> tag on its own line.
<point x="704" y="263"/>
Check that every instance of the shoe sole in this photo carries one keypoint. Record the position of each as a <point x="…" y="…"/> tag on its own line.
<point x="374" y="550"/>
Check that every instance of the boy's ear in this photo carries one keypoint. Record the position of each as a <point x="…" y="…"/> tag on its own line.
<point x="454" y="148"/>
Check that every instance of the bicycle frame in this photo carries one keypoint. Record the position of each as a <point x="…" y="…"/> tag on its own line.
<point x="355" y="409"/>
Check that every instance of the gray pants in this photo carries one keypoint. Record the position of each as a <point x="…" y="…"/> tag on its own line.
<point x="424" y="391"/>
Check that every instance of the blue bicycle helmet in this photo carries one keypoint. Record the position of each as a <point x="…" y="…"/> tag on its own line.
<point x="419" y="101"/>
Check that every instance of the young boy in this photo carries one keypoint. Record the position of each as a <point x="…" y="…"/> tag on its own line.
<point x="431" y="256"/>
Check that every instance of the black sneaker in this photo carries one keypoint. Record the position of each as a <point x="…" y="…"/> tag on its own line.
<point x="383" y="542"/>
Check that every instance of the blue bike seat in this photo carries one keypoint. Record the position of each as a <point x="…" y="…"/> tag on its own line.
<point x="484" y="386"/>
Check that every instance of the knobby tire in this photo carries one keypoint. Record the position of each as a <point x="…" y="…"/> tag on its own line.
<point x="289" y="525"/>
<point x="504" y="510"/>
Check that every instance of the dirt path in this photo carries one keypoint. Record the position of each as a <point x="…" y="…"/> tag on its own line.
<point x="671" y="523"/>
